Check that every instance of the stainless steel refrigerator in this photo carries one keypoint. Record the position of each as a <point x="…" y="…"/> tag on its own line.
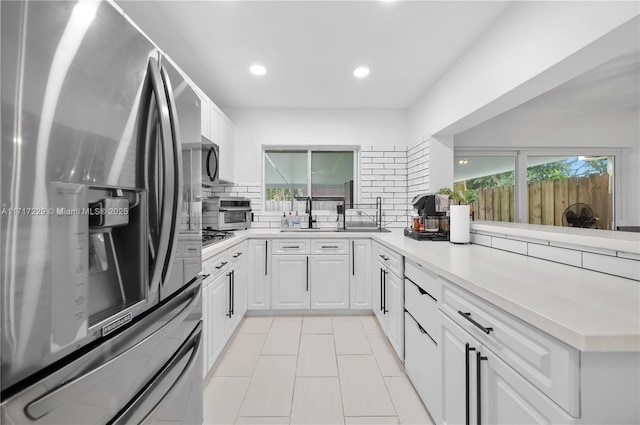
<point x="100" y="308"/>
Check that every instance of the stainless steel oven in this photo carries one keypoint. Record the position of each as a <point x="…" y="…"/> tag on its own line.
<point x="210" y="162"/>
<point x="226" y="213"/>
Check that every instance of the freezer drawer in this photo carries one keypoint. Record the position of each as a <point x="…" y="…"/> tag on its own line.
<point x="149" y="361"/>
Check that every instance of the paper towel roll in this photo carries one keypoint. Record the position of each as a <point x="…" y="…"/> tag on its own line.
<point x="459" y="230"/>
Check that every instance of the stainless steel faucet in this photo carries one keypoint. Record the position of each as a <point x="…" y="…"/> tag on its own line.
<point x="309" y="210"/>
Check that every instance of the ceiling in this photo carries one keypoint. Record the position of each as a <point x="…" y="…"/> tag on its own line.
<point x="310" y="48"/>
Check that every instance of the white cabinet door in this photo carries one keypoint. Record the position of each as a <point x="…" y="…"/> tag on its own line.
<point x="240" y="287"/>
<point x="227" y="149"/>
<point x="376" y="293"/>
<point x="258" y="271"/>
<point x="290" y="282"/>
<point x="205" y="114"/>
<point x="329" y="281"/>
<point x="218" y="309"/>
<point x="394" y="307"/>
<point x="215" y="124"/>
<point x="507" y="398"/>
<point x="457" y="356"/>
<point x="360" y="275"/>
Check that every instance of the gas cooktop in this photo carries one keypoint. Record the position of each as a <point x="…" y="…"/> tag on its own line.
<point x="211" y="236"/>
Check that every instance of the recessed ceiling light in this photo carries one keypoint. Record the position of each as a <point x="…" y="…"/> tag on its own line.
<point x="361" y="72"/>
<point x="258" y="70"/>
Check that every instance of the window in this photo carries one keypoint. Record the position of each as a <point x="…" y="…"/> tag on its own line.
<point x="562" y="189"/>
<point x="290" y="175"/>
<point x="574" y="191"/>
<point x="494" y="178"/>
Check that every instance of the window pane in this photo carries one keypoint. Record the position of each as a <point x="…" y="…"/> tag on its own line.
<point x="493" y="178"/>
<point x="574" y="191"/>
<point x="285" y="178"/>
<point x="329" y="172"/>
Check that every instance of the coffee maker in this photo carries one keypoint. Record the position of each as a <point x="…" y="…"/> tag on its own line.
<point x="432" y="214"/>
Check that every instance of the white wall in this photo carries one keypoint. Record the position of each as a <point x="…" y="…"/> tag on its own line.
<point x="509" y="64"/>
<point x="257" y="127"/>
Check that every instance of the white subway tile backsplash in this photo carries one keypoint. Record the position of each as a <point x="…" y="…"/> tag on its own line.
<point x="509" y="245"/>
<point x="559" y="255"/>
<point x="384" y="160"/>
<point x="613" y="265"/>
<point x="629" y="255"/>
<point x="584" y="248"/>
<point x="481" y="239"/>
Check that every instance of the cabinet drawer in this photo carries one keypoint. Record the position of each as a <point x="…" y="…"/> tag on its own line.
<point x="422" y="307"/>
<point x="291" y="246"/>
<point x="422" y="363"/>
<point x="390" y="258"/>
<point x="236" y="252"/>
<point x="217" y="264"/>
<point x="550" y="365"/>
<point x="329" y="246"/>
<point x="423" y="278"/>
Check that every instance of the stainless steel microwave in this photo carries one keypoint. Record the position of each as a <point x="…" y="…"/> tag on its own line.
<point x="226" y="213"/>
<point x="210" y="162"/>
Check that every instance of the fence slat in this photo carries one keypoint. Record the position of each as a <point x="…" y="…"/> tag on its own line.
<point x="504" y="203"/>
<point x="547" y="205"/>
<point x="535" y="203"/>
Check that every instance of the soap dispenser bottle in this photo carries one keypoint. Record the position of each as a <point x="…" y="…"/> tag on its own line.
<point x="296" y="221"/>
<point x="283" y="221"/>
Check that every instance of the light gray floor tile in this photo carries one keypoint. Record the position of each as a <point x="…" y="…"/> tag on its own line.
<point x="363" y="389"/>
<point x="386" y="358"/>
<point x="317" y="401"/>
<point x="241" y="356"/>
<point x="317" y="356"/>
<point x="317" y="325"/>
<point x="345" y="318"/>
<point x="271" y="387"/>
<point x="406" y="401"/>
<point x="370" y="324"/>
<point x="350" y="338"/>
<point x="284" y="337"/>
<point x="262" y="420"/>
<point x="222" y="398"/>
<point x="371" y="420"/>
<point x="256" y="325"/>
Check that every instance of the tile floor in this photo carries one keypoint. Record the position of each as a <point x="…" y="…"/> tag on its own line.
<point x="310" y="370"/>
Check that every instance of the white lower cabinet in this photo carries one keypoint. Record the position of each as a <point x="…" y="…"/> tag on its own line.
<point x="422" y="364"/>
<point x="329" y="281"/>
<point x="258" y="275"/>
<point x="360" y="275"/>
<point x="387" y="299"/>
<point x="217" y="317"/>
<point x="478" y="387"/>
<point x="290" y="282"/>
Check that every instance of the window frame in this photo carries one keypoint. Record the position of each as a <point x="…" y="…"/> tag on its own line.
<point x="521" y="199"/>
<point x="355" y="149"/>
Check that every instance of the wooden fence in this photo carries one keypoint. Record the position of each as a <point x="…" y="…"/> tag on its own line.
<point x="549" y="199"/>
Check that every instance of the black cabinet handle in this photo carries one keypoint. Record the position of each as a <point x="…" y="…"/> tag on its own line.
<point x="230" y="295"/>
<point x="384" y="257"/>
<point x="290" y="246"/>
<point x="266" y="256"/>
<point x="237" y="255"/>
<point x="353" y="258"/>
<point x="307" y="273"/>
<point x="224" y="263"/>
<point x="233" y="292"/>
<point x="468" y="317"/>
<point x="467" y="349"/>
<point x="422" y="291"/>
<point x="479" y="358"/>
<point x="384" y="291"/>
<point x="381" y="306"/>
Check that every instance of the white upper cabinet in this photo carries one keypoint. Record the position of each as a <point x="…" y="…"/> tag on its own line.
<point x="226" y="142"/>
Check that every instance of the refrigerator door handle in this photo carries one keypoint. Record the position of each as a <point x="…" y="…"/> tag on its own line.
<point x="176" y="147"/>
<point x="192" y="345"/>
<point x="168" y="188"/>
<point x="58" y="396"/>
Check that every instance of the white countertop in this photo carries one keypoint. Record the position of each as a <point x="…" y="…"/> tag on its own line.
<point x="593" y="238"/>
<point x="587" y="310"/>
